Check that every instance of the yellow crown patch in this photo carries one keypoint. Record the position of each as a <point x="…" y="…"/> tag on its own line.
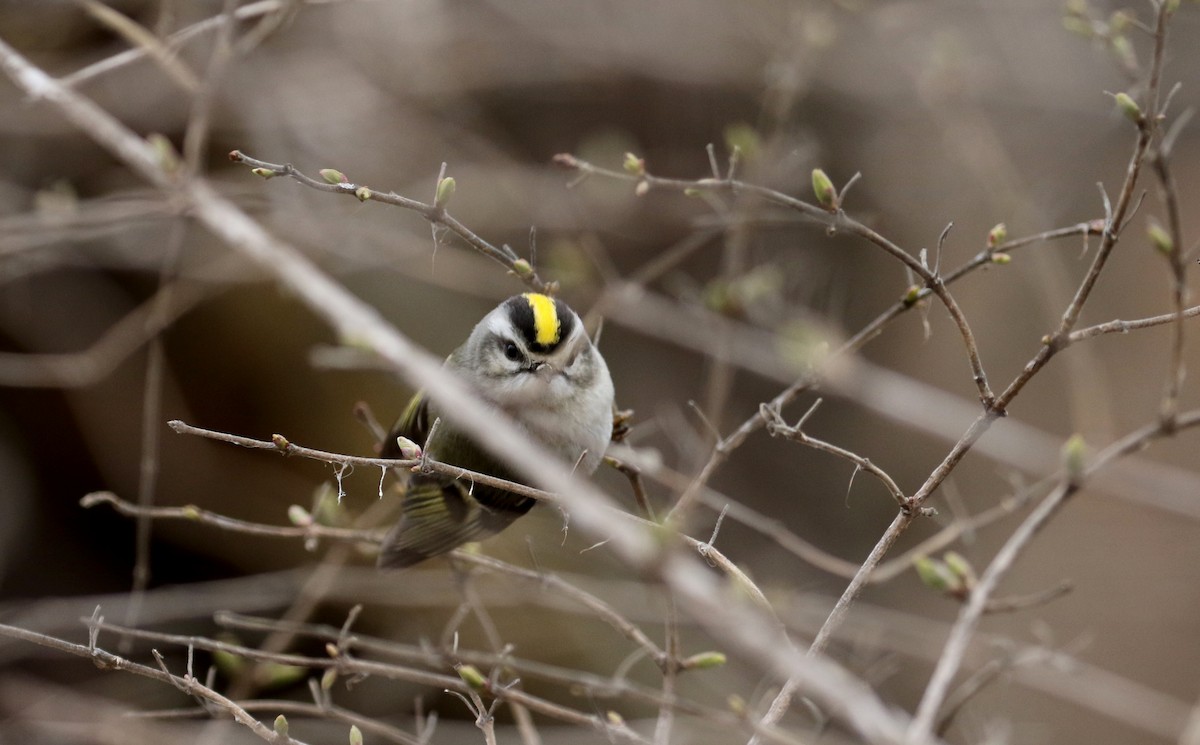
<point x="546" y="324"/>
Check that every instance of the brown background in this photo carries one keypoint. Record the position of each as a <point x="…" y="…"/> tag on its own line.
<point x="953" y="112"/>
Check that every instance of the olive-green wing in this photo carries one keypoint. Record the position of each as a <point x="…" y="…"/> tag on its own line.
<point x="440" y="513"/>
<point x="413" y="424"/>
<point x="438" y="516"/>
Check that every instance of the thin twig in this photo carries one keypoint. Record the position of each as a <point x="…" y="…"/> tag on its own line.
<point x="1124" y="327"/>
<point x="846" y="697"/>
<point x="436" y="214"/>
<point x="122" y="339"/>
<point x="776" y="426"/>
<point x="151" y="421"/>
<point x="326" y="711"/>
<point x="205" y="517"/>
<point x="351" y="665"/>
<point x="143" y="39"/>
<point x="109" y="661"/>
<point x="666" y="714"/>
<point x="722" y="450"/>
<point x="968" y="619"/>
<point x="282" y="445"/>
<point x="176" y="40"/>
<point x="843" y="222"/>
<point x="1015" y="603"/>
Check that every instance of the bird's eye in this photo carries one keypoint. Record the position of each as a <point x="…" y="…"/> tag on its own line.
<point x="512" y="351"/>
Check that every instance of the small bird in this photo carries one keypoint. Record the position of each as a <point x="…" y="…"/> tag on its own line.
<point x="531" y="358"/>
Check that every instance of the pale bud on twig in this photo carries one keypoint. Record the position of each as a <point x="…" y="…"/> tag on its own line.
<point x="823" y="189"/>
<point x="445" y="190"/>
<point x="936" y="575"/>
<point x="409" y="450"/>
<point x="333" y="176"/>
<point x="299" y="516"/>
<point x="634" y="165"/>
<point x="997" y="235"/>
<point x="1160" y="238"/>
<point x="471" y="676"/>
<point x="704" y="660"/>
<point x="1128" y="107"/>
<point x="737" y="704"/>
<point x="522" y="268"/>
<point x="168" y="158"/>
<point x="962" y="568"/>
<point x="1074" y="455"/>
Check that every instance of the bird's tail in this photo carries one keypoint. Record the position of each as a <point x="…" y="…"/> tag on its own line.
<point x="438" y="517"/>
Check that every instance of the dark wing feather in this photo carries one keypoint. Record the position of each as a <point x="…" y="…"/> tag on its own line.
<point x="438" y="516"/>
<point x="440" y="513"/>
<point x="413" y="424"/>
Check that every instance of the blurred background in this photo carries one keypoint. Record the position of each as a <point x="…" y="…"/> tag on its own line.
<point x="965" y="113"/>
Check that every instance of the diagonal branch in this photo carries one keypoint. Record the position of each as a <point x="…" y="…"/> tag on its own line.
<point x="968" y="619"/>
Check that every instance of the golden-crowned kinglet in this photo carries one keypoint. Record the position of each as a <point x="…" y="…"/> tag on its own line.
<point x="532" y="358"/>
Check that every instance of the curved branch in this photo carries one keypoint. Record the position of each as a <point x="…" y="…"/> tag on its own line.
<point x="434" y="213"/>
<point x="836" y="221"/>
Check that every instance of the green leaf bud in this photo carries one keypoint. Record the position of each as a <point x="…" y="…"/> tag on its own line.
<point x="228" y="663"/>
<point x="744" y="138"/>
<point x="445" y="190"/>
<point x="634" y="165"/>
<point x="281" y="726"/>
<point x="299" y="516"/>
<point x="704" y="661"/>
<point x="1001" y="258"/>
<point x="997" y="235"/>
<point x="275" y="675"/>
<point x="1074" y="456"/>
<point x="936" y="575"/>
<point x="522" y="268"/>
<point x="266" y="173"/>
<point x="334" y="176"/>
<point x="355" y="735"/>
<point x="962" y="568"/>
<point x="823" y="188"/>
<point x="164" y="152"/>
<point x="737" y="704"/>
<point x="1128" y="107"/>
<point x="1122" y="47"/>
<point x="363" y="193"/>
<point x="409" y="450"/>
<point x="1160" y="238"/>
<point x="471" y="676"/>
